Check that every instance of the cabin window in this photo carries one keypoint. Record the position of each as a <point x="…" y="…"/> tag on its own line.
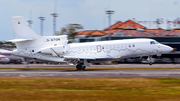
<point x="114" y="46"/>
<point x="106" y="47"/>
<point x="117" y="46"/>
<point x="129" y="45"/>
<point x="102" y="47"/>
<point x="32" y="50"/>
<point x="133" y="45"/>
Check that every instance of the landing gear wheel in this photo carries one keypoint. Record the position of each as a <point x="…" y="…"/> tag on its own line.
<point x="83" y="68"/>
<point x="80" y="67"/>
<point x="150" y="63"/>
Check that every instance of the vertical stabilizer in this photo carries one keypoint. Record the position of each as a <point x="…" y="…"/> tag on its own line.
<point x="21" y="29"/>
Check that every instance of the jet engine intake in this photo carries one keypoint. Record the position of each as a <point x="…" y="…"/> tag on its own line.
<point x="53" y="50"/>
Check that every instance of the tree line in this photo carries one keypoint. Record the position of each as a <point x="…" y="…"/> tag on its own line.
<point x="70" y="30"/>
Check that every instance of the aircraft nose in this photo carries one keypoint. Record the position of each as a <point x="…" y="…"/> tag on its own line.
<point x="174" y="49"/>
<point x="168" y="49"/>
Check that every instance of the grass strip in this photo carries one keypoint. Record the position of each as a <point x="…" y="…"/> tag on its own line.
<point x="89" y="89"/>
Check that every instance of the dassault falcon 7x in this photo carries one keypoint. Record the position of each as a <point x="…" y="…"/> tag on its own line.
<point x="56" y="48"/>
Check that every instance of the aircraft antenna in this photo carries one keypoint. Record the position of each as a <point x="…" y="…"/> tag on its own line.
<point x="30" y="21"/>
<point x="41" y="23"/>
<point x="54" y="17"/>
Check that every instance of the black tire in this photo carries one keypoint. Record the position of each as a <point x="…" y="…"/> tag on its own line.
<point x="83" y="68"/>
<point x="150" y="63"/>
<point x="78" y="67"/>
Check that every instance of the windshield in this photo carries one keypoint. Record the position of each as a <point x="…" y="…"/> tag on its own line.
<point x="153" y="42"/>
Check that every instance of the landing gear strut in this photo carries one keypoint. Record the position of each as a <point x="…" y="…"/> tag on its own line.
<point x="80" y="67"/>
<point x="150" y="61"/>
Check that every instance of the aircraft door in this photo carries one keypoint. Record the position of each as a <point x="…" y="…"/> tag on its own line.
<point x="98" y="48"/>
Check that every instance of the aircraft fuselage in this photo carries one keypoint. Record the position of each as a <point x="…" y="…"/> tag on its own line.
<point x="99" y="50"/>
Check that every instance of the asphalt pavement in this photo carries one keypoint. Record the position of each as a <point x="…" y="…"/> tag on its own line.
<point x="96" y="71"/>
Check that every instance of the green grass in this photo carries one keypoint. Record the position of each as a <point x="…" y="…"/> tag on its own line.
<point x="89" y="89"/>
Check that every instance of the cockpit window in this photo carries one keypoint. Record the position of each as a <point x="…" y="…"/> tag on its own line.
<point x="153" y="42"/>
<point x="156" y="42"/>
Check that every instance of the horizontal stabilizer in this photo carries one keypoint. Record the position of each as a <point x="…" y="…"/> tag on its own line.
<point x="21" y="40"/>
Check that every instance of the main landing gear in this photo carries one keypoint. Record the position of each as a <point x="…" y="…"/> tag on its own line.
<point x="80" y="67"/>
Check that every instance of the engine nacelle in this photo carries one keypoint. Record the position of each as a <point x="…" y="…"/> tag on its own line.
<point x="53" y="50"/>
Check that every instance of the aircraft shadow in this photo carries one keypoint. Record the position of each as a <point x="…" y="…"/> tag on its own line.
<point x="80" y="71"/>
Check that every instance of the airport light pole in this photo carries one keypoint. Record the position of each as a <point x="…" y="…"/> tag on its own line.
<point x="30" y="22"/>
<point x="109" y="12"/>
<point x="55" y="15"/>
<point x="158" y="22"/>
<point x="41" y="24"/>
<point x="54" y="22"/>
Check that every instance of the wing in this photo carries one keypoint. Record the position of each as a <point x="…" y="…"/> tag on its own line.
<point x="88" y="58"/>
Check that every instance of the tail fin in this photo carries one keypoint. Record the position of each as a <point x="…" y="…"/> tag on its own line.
<point x="21" y="29"/>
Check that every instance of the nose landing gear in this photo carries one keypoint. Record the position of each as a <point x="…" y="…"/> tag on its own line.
<point x="150" y="63"/>
<point x="150" y="60"/>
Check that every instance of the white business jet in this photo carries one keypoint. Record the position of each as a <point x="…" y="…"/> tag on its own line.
<point x="56" y="49"/>
<point x="4" y="59"/>
<point x="8" y="54"/>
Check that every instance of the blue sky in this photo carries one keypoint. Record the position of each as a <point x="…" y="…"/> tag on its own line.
<point x="89" y="13"/>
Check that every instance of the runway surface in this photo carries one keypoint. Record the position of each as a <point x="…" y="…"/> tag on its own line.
<point x="173" y="71"/>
